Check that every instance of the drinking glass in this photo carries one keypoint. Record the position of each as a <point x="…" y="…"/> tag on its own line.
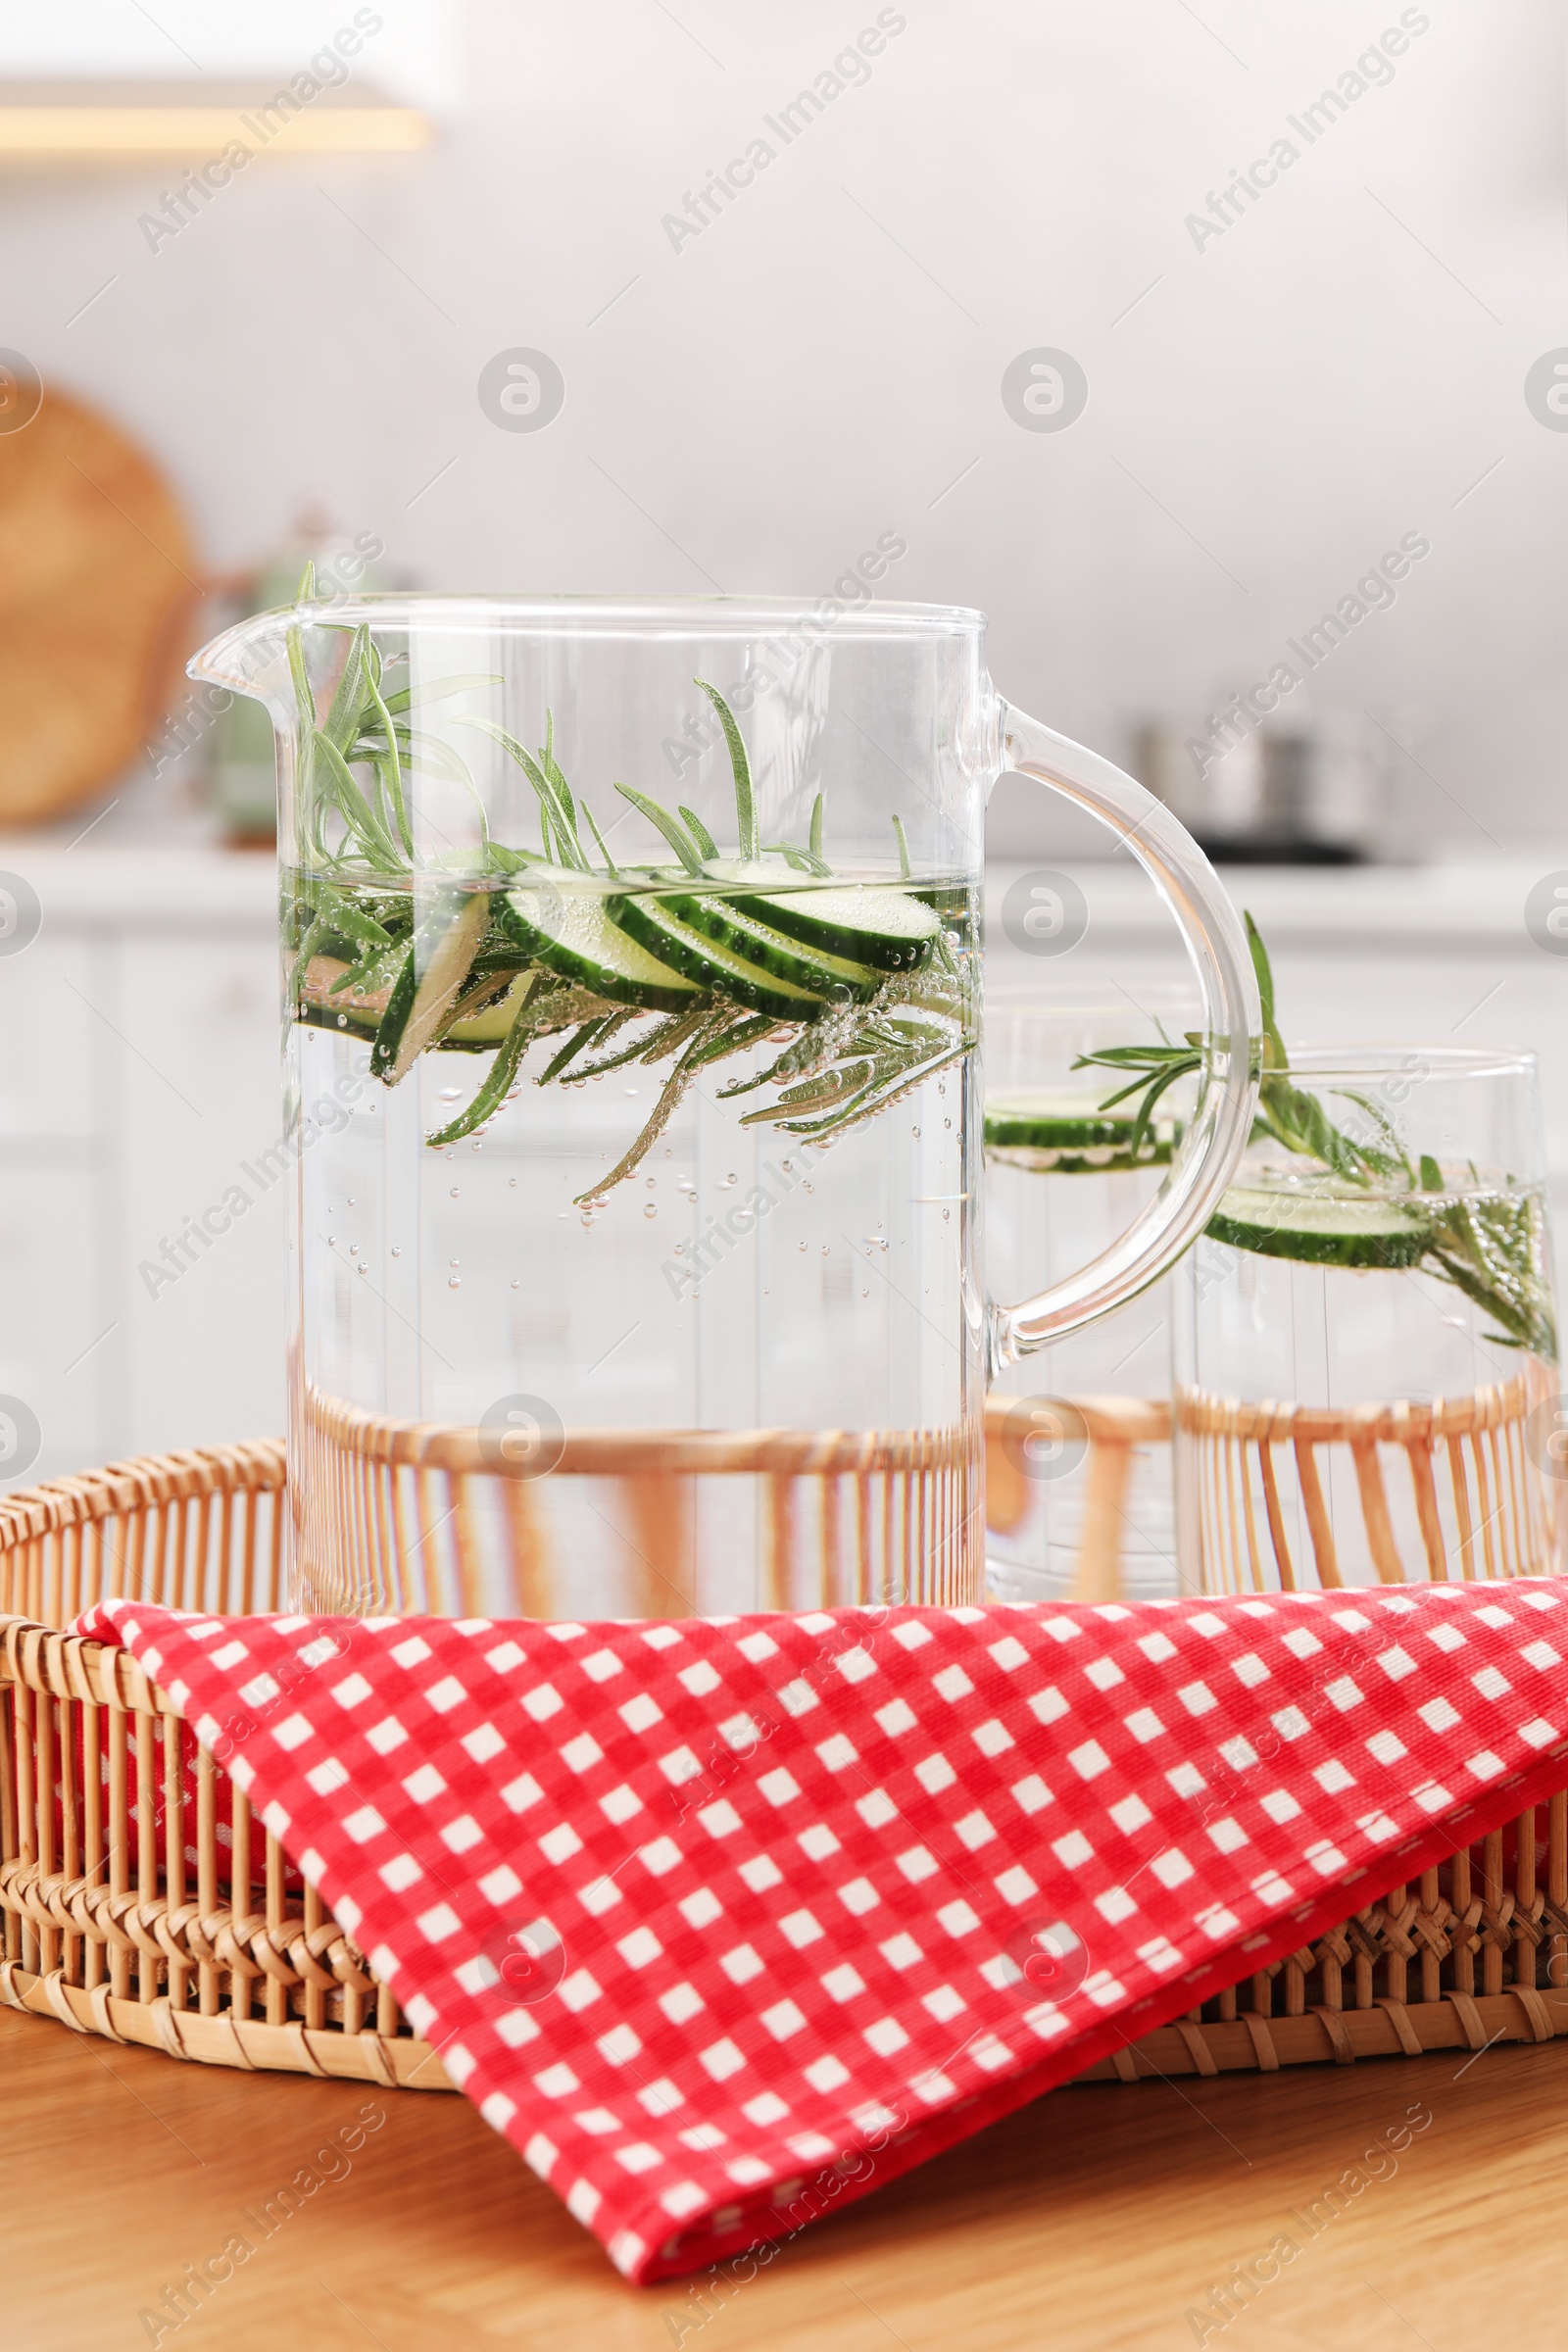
<point x="632" y="1000"/>
<point x="1366" y="1383"/>
<point x="1061" y="1181"/>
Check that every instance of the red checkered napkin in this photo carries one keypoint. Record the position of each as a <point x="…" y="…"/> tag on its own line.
<point x="722" y="1924"/>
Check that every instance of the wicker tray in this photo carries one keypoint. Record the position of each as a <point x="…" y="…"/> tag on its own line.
<point x="98" y="1936"/>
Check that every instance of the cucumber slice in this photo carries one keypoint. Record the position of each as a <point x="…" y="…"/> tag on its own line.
<point x="572" y="933"/>
<point x="1068" y="1134"/>
<point x="891" y="930"/>
<point x="318" y="1009"/>
<point x="479" y="1032"/>
<point x="429" y="983"/>
<point x="1320" y="1229"/>
<point x="725" y="968"/>
<point x="728" y="924"/>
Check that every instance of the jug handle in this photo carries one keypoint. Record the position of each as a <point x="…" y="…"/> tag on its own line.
<point x="1216" y="1135"/>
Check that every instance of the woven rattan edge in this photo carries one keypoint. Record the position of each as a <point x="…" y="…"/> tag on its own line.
<point x="77" y="1666"/>
<point x="397" y="2063"/>
<point x="258" y="1466"/>
<point x="1106" y="1420"/>
<point x="1307" y="2041"/>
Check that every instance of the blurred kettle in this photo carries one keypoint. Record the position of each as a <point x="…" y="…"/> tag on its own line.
<point x="1309" y="792"/>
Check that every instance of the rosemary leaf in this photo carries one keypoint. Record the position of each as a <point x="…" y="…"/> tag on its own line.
<point x="610" y="867"/>
<point x="556" y="814"/>
<point x="497" y="1083"/>
<point x="389" y="771"/>
<point x="698" y="831"/>
<point x="442" y="689"/>
<point x="588" y="1035"/>
<point x="342" y="721"/>
<point x="675" y="1086"/>
<point x="674" y="833"/>
<point x="740" y="766"/>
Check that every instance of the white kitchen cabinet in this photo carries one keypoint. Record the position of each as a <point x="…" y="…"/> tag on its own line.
<point x="49" y="1034"/>
<point x="49" y="1310"/>
<point x="138" y="1067"/>
<point x="202" y="1352"/>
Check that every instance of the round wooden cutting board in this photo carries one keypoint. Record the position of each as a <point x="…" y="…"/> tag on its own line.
<point x="98" y="579"/>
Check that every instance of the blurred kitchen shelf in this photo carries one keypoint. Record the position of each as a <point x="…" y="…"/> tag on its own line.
<point x="60" y="122"/>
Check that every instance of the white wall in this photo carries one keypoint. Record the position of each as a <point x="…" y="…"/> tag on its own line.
<point x="820" y="364"/>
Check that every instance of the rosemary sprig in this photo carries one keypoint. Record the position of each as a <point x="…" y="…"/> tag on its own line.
<point x="1488" y="1247"/>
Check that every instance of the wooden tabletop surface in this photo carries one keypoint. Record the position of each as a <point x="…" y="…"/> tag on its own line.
<point x="1097" y="2219"/>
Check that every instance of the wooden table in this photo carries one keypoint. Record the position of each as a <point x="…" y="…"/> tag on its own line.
<point x="1094" y="2218"/>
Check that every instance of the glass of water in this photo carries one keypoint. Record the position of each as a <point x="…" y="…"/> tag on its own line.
<point x="1366" y="1383"/>
<point x="1063" y="1177"/>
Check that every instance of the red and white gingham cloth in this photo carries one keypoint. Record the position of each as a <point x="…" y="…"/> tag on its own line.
<point x="722" y="1924"/>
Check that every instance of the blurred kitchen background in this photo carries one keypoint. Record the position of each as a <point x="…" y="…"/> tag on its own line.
<point x="1219" y="354"/>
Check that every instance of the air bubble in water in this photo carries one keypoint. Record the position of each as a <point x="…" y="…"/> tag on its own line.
<point x="454" y="1192"/>
<point x="454" y="1282"/>
<point x="516" y="1282"/>
<point x="649" y="1210"/>
<point x="396" y="1251"/>
<point x="450" y="1094"/>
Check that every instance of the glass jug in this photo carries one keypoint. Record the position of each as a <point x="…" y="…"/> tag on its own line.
<point x="632" y="994"/>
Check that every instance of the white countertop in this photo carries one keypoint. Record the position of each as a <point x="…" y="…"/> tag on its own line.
<point x="1468" y="907"/>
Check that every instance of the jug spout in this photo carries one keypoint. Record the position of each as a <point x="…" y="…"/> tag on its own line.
<point x="251" y="658"/>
